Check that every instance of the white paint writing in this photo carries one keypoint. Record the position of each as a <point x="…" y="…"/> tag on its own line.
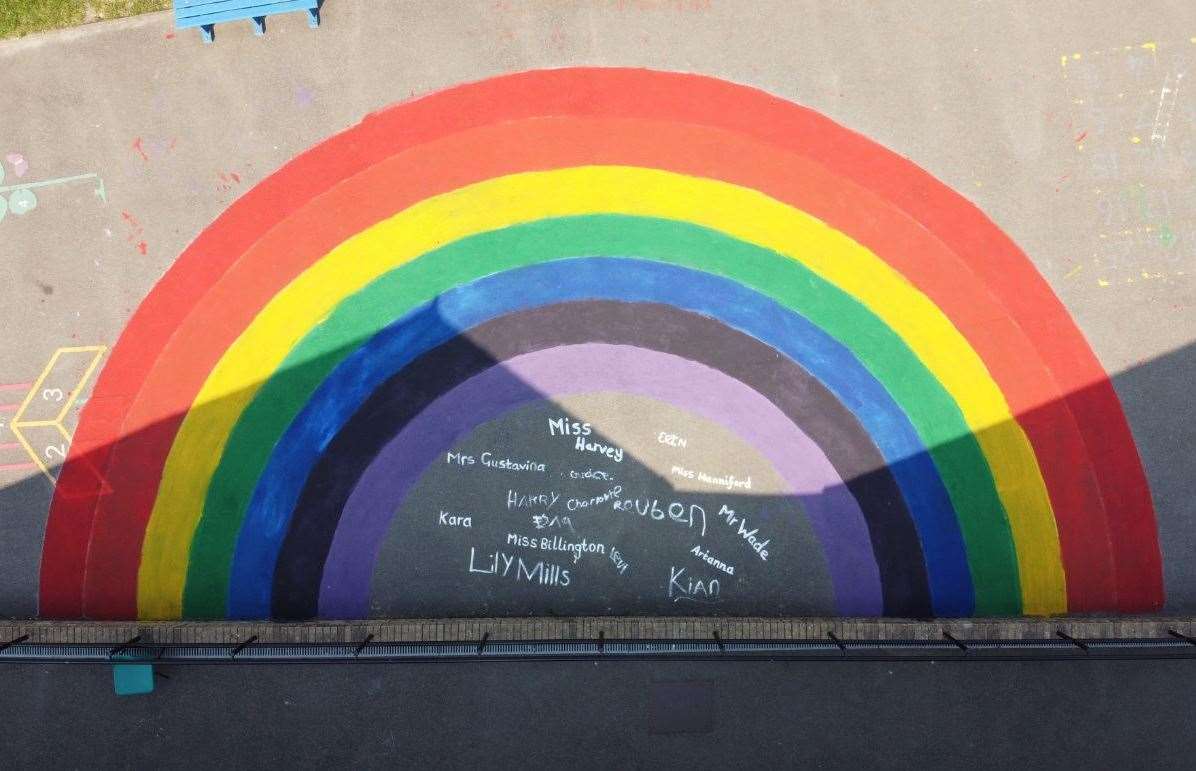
<point x="672" y="440"/>
<point x="459" y="459"/>
<point x="455" y="520"/>
<point x="683" y="587"/>
<point x="490" y="461"/>
<point x="704" y="555"/>
<point x="500" y="564"/>
<point x="590" y="473"/>
<point x="681" y="513"/>
<point x="725" y="481"/>
<point x="609" y="450"/>
<point x="566" y="427"/>
<point x="556" y="543"/>
<point x="737" y="521"/>
<point x="621" y="563"/>
<point x="518" y="500"/>
<point x="508" y="464"/>
<point x="543" y="521"/>
<point x="574" y="504"/>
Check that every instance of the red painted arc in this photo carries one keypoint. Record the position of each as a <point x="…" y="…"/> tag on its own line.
<point x="552" y="142"/>
<point x="588" y="92"/>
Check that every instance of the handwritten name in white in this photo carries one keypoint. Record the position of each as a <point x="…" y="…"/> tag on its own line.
<point x="683" y="587"/>
<point x="740" y="525"/>
<point x="692" y="515"/>
<point x="455" y="520"/>
<point x="500" y="565"/>
<point x="518" y="500"/>
<point x="704" y="555"/>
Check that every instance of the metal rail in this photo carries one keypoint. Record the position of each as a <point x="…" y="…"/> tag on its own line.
<point x="950" y="648"/>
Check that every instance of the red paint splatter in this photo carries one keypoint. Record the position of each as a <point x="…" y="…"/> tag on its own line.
<point x="227" y="181"/>
<point x="136" y="231"/>
<point x="140" y="149"/>
<point x="170" y="36"/>
<point x="1080" y="138"/>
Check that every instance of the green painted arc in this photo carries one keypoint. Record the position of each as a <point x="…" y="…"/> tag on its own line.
<point x="992" y="556"/>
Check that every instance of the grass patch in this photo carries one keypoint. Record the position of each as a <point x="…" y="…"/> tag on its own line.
<point x="20" y="17"/>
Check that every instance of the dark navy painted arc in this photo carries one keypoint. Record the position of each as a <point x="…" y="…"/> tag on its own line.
<point x="601" y="368"/>
<point x="596" y="278"/>
<point x="657" y="327"/>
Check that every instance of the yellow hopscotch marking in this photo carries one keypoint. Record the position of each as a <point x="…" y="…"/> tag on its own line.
<point x="68" y="401"/>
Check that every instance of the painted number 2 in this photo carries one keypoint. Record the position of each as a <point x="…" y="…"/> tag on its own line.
<point x="56" y="452"/>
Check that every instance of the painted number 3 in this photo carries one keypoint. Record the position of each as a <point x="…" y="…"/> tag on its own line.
<point x="53" y="395"/>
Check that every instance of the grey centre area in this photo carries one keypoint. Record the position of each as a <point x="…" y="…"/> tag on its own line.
<point x="532" y="514"/>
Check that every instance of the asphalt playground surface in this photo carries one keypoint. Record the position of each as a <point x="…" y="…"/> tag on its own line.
<point x="608" y="714"/>
<point x="973" y="93"/>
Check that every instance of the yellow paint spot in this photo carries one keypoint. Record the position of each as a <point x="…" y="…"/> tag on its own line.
<point x="1102" y="282"/>
<point x="1150" y="47"/>
<point x="1075" y="57"/>
<point x="1073" y="271"/>
<point x="1080" y="147"/>
<point x="1063" y="61"/>
<point x="1136" y="139"/>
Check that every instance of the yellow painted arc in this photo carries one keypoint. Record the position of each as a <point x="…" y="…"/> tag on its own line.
<point x="519" y="198"/>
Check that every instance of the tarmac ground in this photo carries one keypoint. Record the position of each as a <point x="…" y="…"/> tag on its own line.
<point x="612" y="714"/>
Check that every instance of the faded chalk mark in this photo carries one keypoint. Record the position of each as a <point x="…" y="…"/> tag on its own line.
<point x="1165" y="109"/>
<point x="153" y="147"/>
<point x="1136" y="117"/>
<point x="18" y="163"/>
<point x="22" y="200"/>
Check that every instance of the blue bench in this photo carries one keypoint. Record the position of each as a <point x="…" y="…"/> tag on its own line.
<point x="206" y="13"/>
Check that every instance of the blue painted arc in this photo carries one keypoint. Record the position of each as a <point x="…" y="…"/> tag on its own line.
<point x="672" y="346"/>
<point x="594" y="278"/>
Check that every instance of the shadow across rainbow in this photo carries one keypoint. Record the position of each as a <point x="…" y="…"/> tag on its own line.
<point x="305" y="339"/>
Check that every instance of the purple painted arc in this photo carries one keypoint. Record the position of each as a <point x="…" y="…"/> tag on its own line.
<point x="834" y="514"/>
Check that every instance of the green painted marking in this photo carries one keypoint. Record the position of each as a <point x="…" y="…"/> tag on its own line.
<point x="992" y="557"/>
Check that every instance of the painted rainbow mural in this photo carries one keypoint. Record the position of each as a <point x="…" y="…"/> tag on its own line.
<point x="955" y="443"/>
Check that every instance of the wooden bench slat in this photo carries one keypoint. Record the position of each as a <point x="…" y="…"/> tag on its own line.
<point x="200" y="4"/>
<point x="231" y="10"/>
<point x="245" y="6"/>
<point x="196" y="3"/>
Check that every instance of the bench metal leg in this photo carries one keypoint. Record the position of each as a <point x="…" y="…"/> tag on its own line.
<point x="259" y="25"/>
<point x="208" y="32"/>
<point x="313" y="17"/>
